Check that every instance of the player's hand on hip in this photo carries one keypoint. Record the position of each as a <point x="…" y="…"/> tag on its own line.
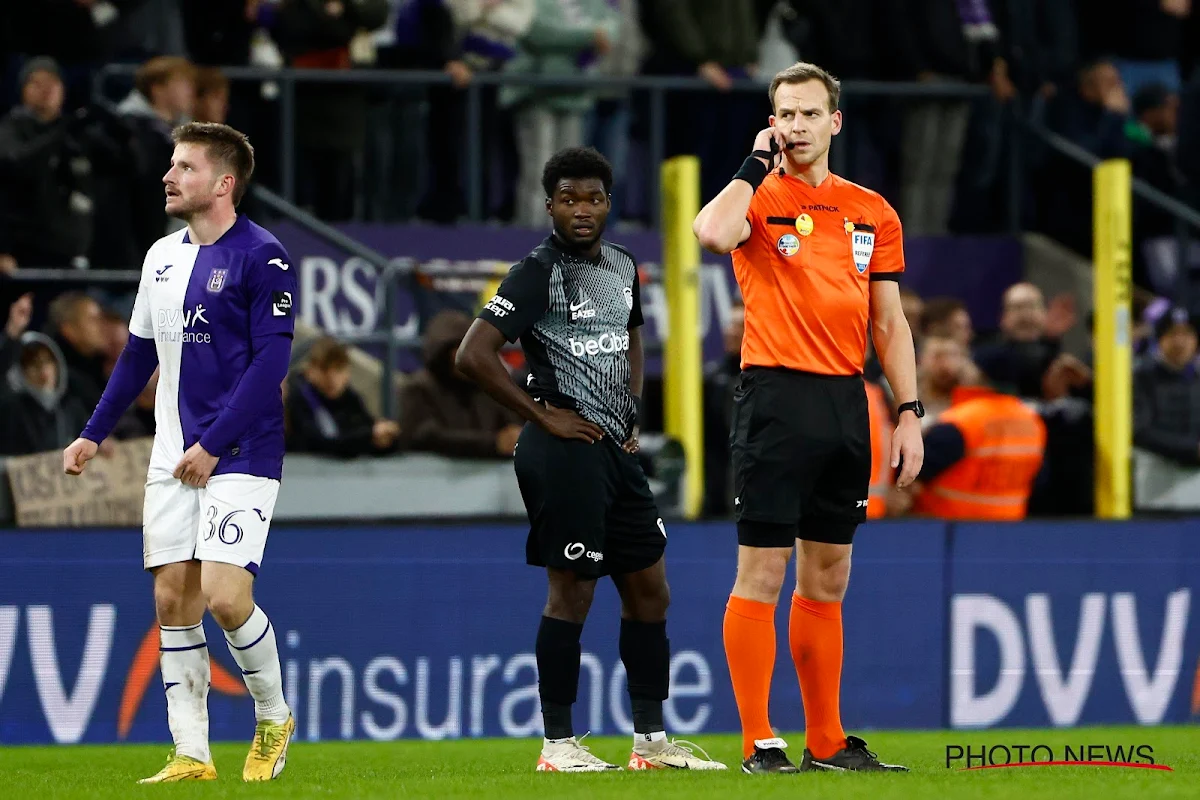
<point x="566" y="424"/>
<point x="908" y="447"/>
<point x="77" y="454"/>
<point x="632" y="445"/>
<point x="196" y="466"/>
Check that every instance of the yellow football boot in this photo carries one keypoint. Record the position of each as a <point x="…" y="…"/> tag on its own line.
<point x="183" y="768"/>
<point x="268" y="751"/>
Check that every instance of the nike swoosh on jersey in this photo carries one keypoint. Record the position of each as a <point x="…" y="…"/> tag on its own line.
<point x="577" y="306"/>
<point x="279" y="263"/>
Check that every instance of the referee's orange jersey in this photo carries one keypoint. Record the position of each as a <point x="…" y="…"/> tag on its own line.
<point x="805" y="272"/>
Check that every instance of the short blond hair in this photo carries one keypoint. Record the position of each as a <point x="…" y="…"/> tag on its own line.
<point x="803" y="72"/>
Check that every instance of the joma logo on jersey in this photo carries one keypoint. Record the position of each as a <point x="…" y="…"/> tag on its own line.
<point x="604" y="343"/>
<point x="169" y="319"/>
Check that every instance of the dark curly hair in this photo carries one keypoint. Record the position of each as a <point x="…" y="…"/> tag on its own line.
<point x="576" y="162"/>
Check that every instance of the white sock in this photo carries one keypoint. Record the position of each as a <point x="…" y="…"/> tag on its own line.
<point x="183" y="661"/>
<point x="254" y="649"/>
<point x="649" y="742"/>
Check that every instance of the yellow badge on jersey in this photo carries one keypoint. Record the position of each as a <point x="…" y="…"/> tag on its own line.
<point x="804" y="224"/>
<point x="848" y="225"/>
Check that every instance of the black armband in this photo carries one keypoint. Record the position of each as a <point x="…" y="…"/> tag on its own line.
<point x="753" y="171"/>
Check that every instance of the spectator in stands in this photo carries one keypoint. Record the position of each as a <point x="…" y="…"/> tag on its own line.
<point x="420" y="35"/>
<point x="1166" y="393"/>
<point x="138" y="421"/>
<point x="1188" y="149"/>
<point x="913" y="306"/>
<point x="330" y="118"/>
<point x="116" y="335"/>
<point x="1091" y="115"/>
<point x="982" y="457"/>
<point x="147" y="30"/>
<point x="218" y="32"/>
<point x="212" y="96"/>
<point x="844" y="37"/>
<point x="37" y="412"/>
<point x="1142" y="334"/>
<point x="1030" y="344"/>
<point x="563" y="39"/>
<point x="326" y="416"/>
<point x="19" y="314"/>
<point x="164" y="95"/>
<point x="77" y="326"/>
<point x="488" y="32"/>
<point x="608" y="126"/>
<point x="46" y="205"/>
<point x="490" y="29"/>
<point x="441" y="411"/>
<point x="716" y="40"/>
<point x="943" y="365"/>
<point x="939" y="41"/>
<point x="1151" y="134"/>
<point x="1039" y="40"/>
<point x="947" y="317"/>
<point x="1146" y="41"/>
<point x="78" y="34"/>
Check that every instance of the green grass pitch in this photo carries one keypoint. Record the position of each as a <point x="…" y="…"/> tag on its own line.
<point x="502" y="769"/>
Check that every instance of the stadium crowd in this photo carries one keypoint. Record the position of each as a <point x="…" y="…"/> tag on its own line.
<point x="80" y="177"/>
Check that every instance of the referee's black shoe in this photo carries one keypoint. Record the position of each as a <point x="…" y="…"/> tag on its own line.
<point x="768" y="757"/>
<point x="854" y="757"/>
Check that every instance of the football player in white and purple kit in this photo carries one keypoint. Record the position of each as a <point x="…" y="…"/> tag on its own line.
<point x="214" y="313"/>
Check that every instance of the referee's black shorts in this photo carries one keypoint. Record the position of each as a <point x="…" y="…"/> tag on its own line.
<point x="801" y="455"/>
<point x="590" y="507"/>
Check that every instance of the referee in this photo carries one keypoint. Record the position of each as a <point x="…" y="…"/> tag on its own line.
<point x="817" y="258"/>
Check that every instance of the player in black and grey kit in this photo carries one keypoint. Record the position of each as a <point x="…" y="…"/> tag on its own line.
<point x="574" y="304"/>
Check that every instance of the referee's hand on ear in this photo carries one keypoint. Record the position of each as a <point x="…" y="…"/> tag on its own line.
<point x="770" y="141"/>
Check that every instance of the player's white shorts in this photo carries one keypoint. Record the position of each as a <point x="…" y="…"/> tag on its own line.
<point x="226" y="521"/>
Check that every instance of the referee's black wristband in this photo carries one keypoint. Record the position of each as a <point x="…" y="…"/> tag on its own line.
<point x="752" y="172"/>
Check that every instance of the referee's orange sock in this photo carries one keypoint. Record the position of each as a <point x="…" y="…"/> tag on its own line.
<point x="750" y="650"/>
<point x="815" y="633"/>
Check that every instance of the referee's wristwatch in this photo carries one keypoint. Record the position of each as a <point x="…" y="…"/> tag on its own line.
<point x="914" y="406"/>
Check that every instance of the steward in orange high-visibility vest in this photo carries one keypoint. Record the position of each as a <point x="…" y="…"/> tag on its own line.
<point x="981" y="458"/>
<point x="882" y="473"/>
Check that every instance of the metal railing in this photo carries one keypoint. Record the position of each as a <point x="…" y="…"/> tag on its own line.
<point x="389" y="270"/>
<point x="656" y="87"/>
<point x="1187" y="219"/>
